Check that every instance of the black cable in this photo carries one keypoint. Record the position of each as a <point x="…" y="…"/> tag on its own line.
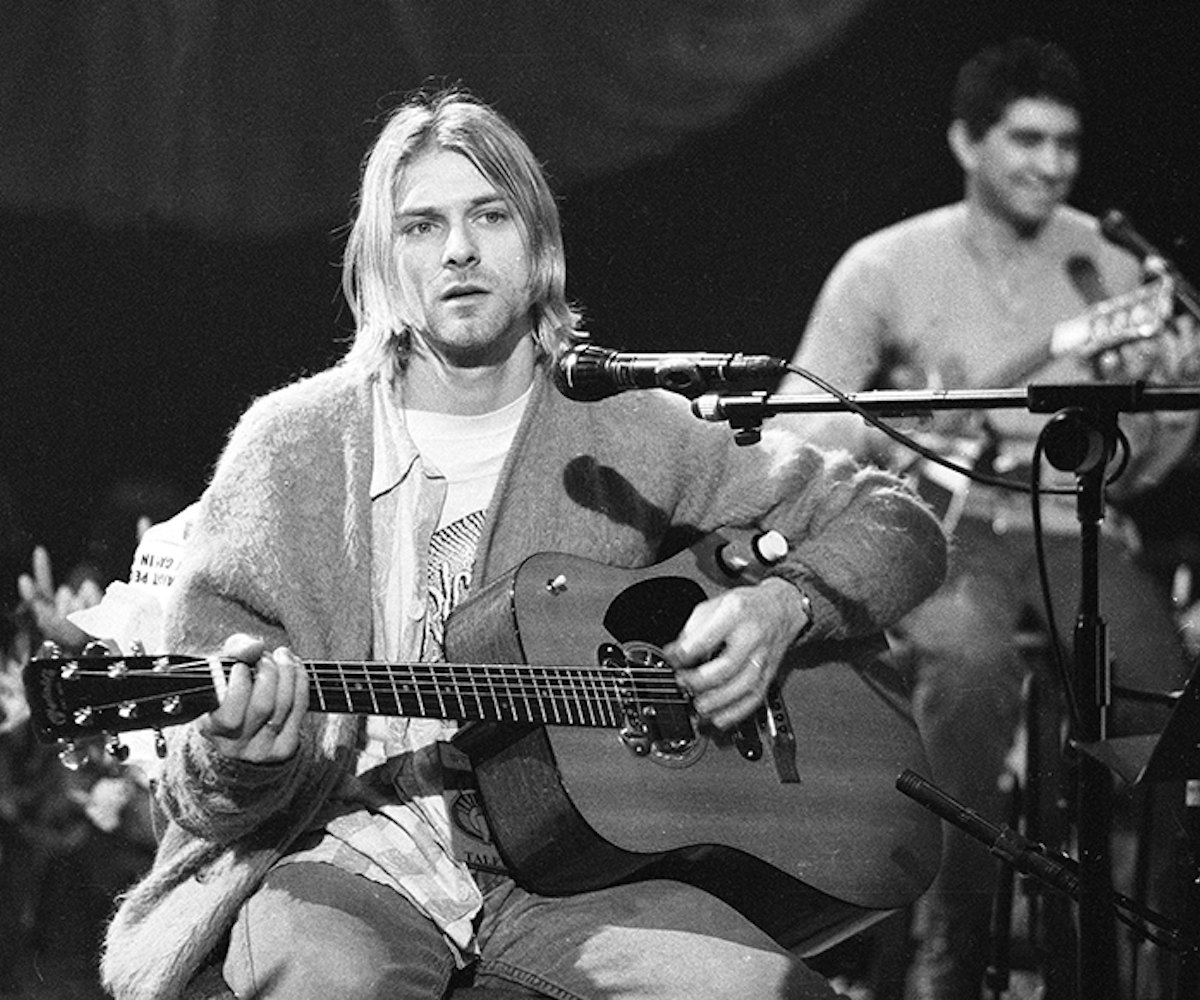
<point x="1003" y="482"/>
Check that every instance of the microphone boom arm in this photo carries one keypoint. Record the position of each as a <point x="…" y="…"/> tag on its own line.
<point x="1126" y="397"/>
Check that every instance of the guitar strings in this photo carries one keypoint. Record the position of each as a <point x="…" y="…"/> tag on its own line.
<point x="605" y="688"/>
<point x="573" y="711"/>
<point x="512" y="676"/>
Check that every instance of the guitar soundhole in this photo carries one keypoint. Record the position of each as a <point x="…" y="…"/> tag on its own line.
<point x="652" y="611"/>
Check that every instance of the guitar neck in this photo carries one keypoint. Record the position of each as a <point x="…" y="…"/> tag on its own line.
<point x="85" y="696"/>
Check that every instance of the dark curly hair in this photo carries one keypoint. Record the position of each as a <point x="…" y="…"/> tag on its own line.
<point x="994" y="78"/>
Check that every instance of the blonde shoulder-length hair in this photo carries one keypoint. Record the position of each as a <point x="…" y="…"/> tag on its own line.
<point x="456" y="121"/>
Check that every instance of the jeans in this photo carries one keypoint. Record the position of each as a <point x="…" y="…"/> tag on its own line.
<point x="312" y="932"/>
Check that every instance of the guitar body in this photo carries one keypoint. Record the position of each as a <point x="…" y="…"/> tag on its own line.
<point x="809" y="860"/>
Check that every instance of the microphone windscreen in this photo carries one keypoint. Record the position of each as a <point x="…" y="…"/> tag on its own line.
<point x="1114" y="226"/>
<point x="579" y="374"/>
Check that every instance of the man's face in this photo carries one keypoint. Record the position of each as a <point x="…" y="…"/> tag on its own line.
<point x="1023" y="167"/>
<point x="463" y="265"/>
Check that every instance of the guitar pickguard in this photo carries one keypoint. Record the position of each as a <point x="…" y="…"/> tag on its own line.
<point x="665" y="733"/>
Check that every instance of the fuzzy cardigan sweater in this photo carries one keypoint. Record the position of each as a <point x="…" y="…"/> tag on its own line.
<point x="282" y="549"/>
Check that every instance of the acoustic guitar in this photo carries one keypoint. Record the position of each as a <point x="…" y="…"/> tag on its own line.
<point x="1138" y="322"/>
<point x="592" y="767"/>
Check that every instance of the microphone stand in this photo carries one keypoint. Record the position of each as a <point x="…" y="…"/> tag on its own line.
<point x="1055" y="870"/>
<point x="1085" y="447"/>
<point x="1083" y="441"/>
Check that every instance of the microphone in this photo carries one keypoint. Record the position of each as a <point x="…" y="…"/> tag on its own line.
<point x="588" y="373"/>
<point x="1085" y="277"/>
<point x="1006" y="843"/>
<point x="1117" y="228"/>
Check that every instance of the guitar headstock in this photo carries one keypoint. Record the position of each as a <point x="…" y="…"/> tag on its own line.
<point x="1138" y="315"/>
<point x="77" y="697"/>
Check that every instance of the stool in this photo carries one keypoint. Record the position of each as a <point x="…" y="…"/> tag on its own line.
<point x="1040" y="813"/>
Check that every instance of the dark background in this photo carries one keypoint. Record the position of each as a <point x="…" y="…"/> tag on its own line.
<point x="128" y="347"/>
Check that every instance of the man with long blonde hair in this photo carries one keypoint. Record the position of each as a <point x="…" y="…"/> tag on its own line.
<point x="310" y="855"/>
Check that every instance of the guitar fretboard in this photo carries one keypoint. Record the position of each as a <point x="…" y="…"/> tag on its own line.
<point x="550" y="695"/>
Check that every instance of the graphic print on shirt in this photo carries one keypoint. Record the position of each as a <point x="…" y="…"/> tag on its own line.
<point x="451" y="555"/>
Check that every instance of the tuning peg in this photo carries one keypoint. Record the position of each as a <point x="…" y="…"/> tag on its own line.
<point x="71" y="757"/>
<point x="137" y="647"/>
<point x="48" y="650"/>
<point x="96" y="648"/>
<point x="160" y="744"/>
<point x="118" y="750"/>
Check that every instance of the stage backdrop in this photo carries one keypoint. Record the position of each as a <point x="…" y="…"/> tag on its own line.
<point x="175" y="176"/>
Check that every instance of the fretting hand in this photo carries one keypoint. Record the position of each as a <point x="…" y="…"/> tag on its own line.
<point x="263" y="699"/>
<point x="1170" y="357"/>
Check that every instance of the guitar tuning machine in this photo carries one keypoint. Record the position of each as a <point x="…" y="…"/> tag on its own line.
<point x="118" y="750"/>
<point x="71" y="757"/>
